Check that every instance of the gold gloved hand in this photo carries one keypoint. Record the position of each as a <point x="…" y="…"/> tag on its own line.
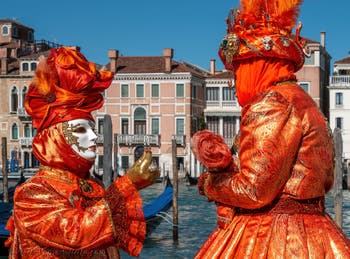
<point x="143" y="173"/>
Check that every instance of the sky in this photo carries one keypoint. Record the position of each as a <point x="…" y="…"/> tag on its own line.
<point x="193" y="28"/>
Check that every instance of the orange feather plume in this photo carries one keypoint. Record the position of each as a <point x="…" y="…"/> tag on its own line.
<point x="281" y="12"/>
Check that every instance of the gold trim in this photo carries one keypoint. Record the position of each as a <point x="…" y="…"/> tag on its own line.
<point x="110" y="217"/>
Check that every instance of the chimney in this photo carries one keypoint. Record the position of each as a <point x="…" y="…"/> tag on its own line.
<point x="113" y="57"/>
<point x="168" y="54"/>
<point x="323" y="39"/>
<point x="212" y="66"/>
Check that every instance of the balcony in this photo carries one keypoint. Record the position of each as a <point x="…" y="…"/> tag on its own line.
<point x="339" y="81"/>
<point x="147" y="140"/>
<point x="25" y="142"/>
<point x="220" y="104"/>
<point x="180" y="140"/>
<point x="22" y="114"/>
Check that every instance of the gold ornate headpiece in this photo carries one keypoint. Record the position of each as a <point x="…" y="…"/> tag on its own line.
<point x="263" y="28"/>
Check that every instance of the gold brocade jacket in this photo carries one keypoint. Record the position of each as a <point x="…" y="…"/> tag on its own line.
<point x="59" y="215"/>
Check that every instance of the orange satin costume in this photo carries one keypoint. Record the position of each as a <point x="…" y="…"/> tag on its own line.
<point x="285" y="156"/>
<point x="61" y="213"/>
<point x="270" y="199"/>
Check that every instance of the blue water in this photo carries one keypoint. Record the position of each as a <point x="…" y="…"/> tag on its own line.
<point x="196" y="220"/>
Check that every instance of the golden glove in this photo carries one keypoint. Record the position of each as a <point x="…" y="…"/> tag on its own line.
<point x="144" y="172"/>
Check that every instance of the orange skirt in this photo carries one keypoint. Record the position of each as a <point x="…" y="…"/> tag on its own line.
<point x="277" y="236"/>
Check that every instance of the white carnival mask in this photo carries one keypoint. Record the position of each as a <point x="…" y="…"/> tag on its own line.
<point x="80" y="135"/>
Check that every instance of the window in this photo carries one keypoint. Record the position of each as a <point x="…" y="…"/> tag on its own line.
<point x="229" y="127"/>
<point x="305" y="86"/>
<point x="25" y="66"/>
<point x="339" y="122"/>
<point x="33" y="132"/>
<point x="194" y="91"/>
<point x="24" y="92"/>
<point x="26" y="130"/>
<point x="155" y="126"/>
<point x="100" y="161"/>
<point x="14" y="131"/>
<point x="100" y="126"/>
<point x="338" y="98"/>
<point x="140" y="91"/>
<point x="180" y="126"/>
<point x="33" y="66"/>
<point x="212" y="94"/>
<point x="14" y="99"/>
<point x="228" y="94"/>
<point x="310" y="60"/>
<point x="30" y="36"/>
<point x="125" y="162"/>
<point x="213" y="124"/>
<point x="180" y="90"/>
<point x="155" y="90"/>
<point x="124" y="90"/>
<point x="5" y="30"/>
<point x="15" y="31"/>
<point x="140" y="121"/>
<point x="125" y="126"/>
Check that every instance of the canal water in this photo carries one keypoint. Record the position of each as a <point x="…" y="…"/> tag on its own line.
<point x="196" y="220"/>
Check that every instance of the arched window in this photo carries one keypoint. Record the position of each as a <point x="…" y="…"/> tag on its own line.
<point x="140" y="121"/>
<point x="26" y="130"/>
<point x="24" y="92"/>
<point x="33" y="66"/>
<point x="30" y="36"/>
<point x="5" y="30"/>
<point x="25" y="66"/>
<point x="14" y="99"/>
<point x="14" y="131"/>
<point x="26" y="160"/>
<point x="33" y="132"/>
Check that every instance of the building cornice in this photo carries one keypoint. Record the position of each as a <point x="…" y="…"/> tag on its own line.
<point x="153" y="76"/>
<point x="217" y="81"/>
<point x="335" y="87"/>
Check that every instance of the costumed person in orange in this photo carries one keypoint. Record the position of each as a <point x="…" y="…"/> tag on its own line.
<point x="270" y="199"/>
<point x="61" y="212"/>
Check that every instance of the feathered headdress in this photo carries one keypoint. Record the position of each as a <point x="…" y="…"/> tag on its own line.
<point x="263" y="28"/>
<point x="66" y="86"/>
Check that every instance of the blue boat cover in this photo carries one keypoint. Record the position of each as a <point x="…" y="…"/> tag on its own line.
<point x="161" y="203"/>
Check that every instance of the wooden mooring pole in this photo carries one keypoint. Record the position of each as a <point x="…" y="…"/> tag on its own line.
<point x="107" y="151"/>
<point x="115" y="151"/>
<point x="338" y="178"/>
<point x="175" y="194"/>
<point x="4" y="169"/>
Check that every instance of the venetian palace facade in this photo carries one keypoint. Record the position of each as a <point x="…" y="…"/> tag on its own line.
<point x="152" y="100"/>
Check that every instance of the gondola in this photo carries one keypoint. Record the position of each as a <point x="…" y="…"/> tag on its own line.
<point x="189" y="180"/>
<point x="155" y="211"/>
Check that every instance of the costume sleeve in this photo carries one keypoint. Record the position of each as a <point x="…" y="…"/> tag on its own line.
<point x="125" y="205"/>
<point x="60" y="222"/>
<point x="270" y="136"/>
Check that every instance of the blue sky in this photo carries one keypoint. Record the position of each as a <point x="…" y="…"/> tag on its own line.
<point x="192" y="28"/>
